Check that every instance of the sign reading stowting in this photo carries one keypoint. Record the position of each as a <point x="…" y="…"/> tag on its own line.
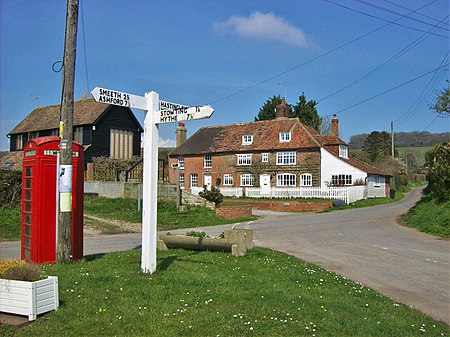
<point x="170" y="112"/>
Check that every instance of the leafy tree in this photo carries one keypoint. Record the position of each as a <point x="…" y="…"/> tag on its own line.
<point x="306" y="111"/>
<point x="438" y="161"/>
<point x="441" y="104"/>
<point x="212" y="195"/>
<point x="268" y="110"/>
<point x="377" y="146"/>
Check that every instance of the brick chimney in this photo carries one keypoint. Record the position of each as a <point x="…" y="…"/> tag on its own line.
<point x="281" y="110"/>
<point x="335" y="126"/>
<point x="180" y="134"/>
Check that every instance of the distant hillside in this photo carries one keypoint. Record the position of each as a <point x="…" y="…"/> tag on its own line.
<point x="406" y="139"/>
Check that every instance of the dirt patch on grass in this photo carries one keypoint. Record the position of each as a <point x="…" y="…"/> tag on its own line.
<point x="94" y="225"/>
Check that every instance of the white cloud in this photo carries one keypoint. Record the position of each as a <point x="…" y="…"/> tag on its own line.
<point x="266" y="26"/>
<point x="166" y="142"/>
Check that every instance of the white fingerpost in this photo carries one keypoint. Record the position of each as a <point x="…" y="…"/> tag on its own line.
<point x="150" y="183"/>
<point x="171" y="112"/>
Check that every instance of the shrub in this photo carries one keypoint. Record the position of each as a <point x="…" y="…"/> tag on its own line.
<point x="25" y="272"/>
<point x="8" y="264"/>
<point x="212" y="195"/>
<point x="338" y="203"/>
<point x="438" y="161"/>
<point x="10" y="188"/>
<point x="197" y="234"/>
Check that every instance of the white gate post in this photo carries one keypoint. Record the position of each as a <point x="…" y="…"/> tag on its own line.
<point x="150" y="183"/>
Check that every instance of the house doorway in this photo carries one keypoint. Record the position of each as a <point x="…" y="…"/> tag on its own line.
<point x="264" y="182"/>
<point x="207" y="181"/>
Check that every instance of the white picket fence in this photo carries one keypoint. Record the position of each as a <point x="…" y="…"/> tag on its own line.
<point x="347" y="194"/>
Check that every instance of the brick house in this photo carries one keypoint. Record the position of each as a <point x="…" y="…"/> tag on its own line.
<point x="103" y="129"/>
<point x="272" y="154"/>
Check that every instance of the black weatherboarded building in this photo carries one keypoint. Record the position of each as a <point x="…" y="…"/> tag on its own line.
<point x="103" y="129"/>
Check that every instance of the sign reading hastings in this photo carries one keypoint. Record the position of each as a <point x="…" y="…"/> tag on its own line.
<point x="172" y="112"/>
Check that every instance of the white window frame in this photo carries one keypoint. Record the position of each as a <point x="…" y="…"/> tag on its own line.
<point x="228" y="179"/>
<point x="181" y="162"/>
<point x="247" y="179"/>
<point x="247" y="139"/>
<point x="285" y="136"/>
<point x="377" y="181"/>
<point x="182" y="181"/>
<point x="343" y="151"/>
<point x="244" y="159"/>
<point x="341" y="180"/>
<point x="306" y="179"/>
<point x="207" y="163"/>
<point x="286" y="179"/>
<point x="265" y="157"/>
<point x="287" y="158"/>
<point x="194" y="180"/>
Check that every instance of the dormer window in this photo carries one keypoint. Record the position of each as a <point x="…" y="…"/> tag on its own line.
<point x="285" y="136"/>
<point x="247" y="139"/>
<point x="343" y="151"/>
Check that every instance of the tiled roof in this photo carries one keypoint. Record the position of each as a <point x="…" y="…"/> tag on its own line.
<point x="365" y="167"/>
<point x="86" y="111"/>
<point x="228" y="138"/>
<point x="11" y="160"/>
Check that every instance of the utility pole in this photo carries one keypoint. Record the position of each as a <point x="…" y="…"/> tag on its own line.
<point x="64" y="247"/>
<point x="392" y="139"/>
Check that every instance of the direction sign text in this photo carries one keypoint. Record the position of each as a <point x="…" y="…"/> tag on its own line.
<point x="113" y="97"/>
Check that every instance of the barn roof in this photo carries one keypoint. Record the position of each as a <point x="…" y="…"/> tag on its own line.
<point x="86" y="111"/>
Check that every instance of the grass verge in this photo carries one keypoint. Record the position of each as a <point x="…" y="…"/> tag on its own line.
<point x="10" y="223"/>
<point x="122" y="213"/>
<point x="265" y="293"/>
<point x="430" y="217"/>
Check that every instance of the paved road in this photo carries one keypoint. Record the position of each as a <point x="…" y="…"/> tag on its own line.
<point x="365" y="245"/>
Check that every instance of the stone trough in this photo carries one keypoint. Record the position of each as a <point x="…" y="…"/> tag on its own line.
<point x="236" y="241"/>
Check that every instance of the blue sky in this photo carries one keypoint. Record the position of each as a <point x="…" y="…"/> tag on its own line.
<point x="371" y="62"/>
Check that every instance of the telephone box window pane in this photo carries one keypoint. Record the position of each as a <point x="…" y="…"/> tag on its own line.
<point x="27" y="182"/>
<point x="27" y="206"/>
<point x="27" y="242"/>
<point x="28" y="230"/>
<point x="27" y="194"/>
<point x="27" y="254"/>
<point x="28" y="218"/>
<point x="28" y="171"/>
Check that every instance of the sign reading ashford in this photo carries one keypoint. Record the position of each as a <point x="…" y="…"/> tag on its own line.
<point x="119" y="98"/>
<point x="156" y="112"/>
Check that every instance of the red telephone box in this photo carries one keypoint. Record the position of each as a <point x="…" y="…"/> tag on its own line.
<point x="39" y="200"/>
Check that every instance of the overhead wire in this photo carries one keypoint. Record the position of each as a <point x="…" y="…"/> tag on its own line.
<point x="427" y="90"/>
<point x="391" y="89"/>
<point x="84" y="46"/>
<point x="379" y="18"/>
<point x="317" y="57"/>
<point x="385" y="63"/>
<point x="406" y="8"/>
<point x="394" y="12"/>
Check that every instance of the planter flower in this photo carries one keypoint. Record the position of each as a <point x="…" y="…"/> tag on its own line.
<point x="29" y="298"/>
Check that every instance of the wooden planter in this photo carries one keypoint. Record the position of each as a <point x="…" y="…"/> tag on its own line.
<point x="29" y="298"/>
